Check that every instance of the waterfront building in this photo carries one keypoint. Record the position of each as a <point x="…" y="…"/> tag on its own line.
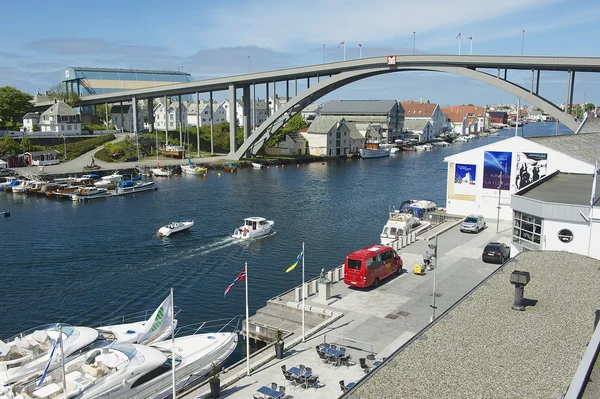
<point x="387" y="114"/>
<point x="474" y="175"/>
<point x="414" y="110"/>
<point x="219" y="113"/>
<point x="498" y="118"/>
<point x="276" y="103"/>
<point x="331" y="136"/>
<point x="467" y="119"/>
<point x="41" y="158"/>
<point x="161" y="113"/>
<point x="483" y="347"/>
<point x="292" y="143"/>
<point x="60" y="119"/>
<point x="125" y="111"/>
<point x="258" y="110"/>
<point x="419" y="130"/>
<point x="29" y="120"/>
<point x="310" y="112"/>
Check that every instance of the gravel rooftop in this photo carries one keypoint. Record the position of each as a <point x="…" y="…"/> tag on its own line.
<point x="484" y="349"/>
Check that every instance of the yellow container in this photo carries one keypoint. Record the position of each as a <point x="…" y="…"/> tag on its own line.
<point x="418" y="269"/>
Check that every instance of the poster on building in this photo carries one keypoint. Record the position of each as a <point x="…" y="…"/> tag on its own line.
<point x="495" y="162"/>
<point x="531" y="166"/>
<point x="464" y="179"/>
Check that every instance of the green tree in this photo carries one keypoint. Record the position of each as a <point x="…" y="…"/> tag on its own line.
<point x="590" y="107"/>
<point x="295" y="124"/>
<point x="59" y="91"/>
<point x="13" y="104"/>
<point x="9" y="146"/>
<point x="26" y="144"/>
<point x="101" y="112"/>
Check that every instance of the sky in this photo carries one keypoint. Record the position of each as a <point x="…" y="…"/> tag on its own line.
<point x="215" y="39"/>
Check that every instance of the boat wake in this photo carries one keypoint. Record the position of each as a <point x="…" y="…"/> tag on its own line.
<point x="212" y="247"/>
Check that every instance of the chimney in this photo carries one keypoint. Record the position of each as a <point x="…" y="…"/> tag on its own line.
<point x="519" y="279"/>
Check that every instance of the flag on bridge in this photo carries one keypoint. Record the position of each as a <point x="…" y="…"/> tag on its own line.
<point x="470" y="37"/>
<point x="343" y="42"/>
<point x="457" y="36"/>
<point x="240" y="277"/>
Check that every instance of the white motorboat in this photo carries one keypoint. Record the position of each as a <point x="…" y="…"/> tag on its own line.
<point x="161" y="172"/>
<point x="400" y="225"/>
<point x="424" y="147"/>
<point x="25" y="355"/>
<point x="375" y="150"/>
<point x="254" y="227"/>
<point x="120" y="370"/>
<point x="88" y="193"/>
<point x="112" y="180"/>
<point x="257" y="165"/>
<point x="22" y="187"/>
<point x="191" y="169"/>
<point x="131" y="187"/>
<point x="174" y="227"/>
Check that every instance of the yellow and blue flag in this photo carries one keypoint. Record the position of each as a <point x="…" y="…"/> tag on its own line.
<point x="298" y="259"/>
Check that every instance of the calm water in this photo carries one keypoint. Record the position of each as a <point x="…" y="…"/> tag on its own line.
<point x="83" y="263"/>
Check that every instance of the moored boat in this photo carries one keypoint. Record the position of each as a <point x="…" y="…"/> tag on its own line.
<point x="174" y="227"/>
<point x="374" y="150"/>
<point x="161" y="172"/>
<point x="257" y="165"/>
<point x="88" y="193"/>
<point x="131" y="187"/>
<point x="400" y="225"/>
<point x="230" y="167"/>
<point x="254" y="227"/>
<point x="191" y="169"/>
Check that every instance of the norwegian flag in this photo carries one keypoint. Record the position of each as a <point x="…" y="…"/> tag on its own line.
<point x="343" y="42"/>
<point x="359" y="45"/>
<point x="457" y="36"/>
<point x="470" y="37"/>
<point x="240" y="277"/>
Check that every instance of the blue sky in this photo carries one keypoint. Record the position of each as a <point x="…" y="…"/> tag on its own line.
<point x="212" y="39"/>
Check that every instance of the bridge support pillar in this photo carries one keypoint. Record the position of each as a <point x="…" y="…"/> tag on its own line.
<point x="287" y="90"/>
<point x="198" y="122"/>
<point x="232" y="119"/>
<point x="122" y="123"/>
<point x="308" y="83"/>
<point x="295" y="87"/>
<point x="150" y="105"/>
<point x="274" y="96"/>
<point x="532" y="76"/>
<point x="566" y="110"/>
<point x="134" y="115"/>
<point x="166" y="109"/>
<point x="107" y="120"/>
<point x="572" y="90"/>
<point x="537" y="84"/>
<point x="212" y="125"/>
<point x="267" y="99"/>
<point x="505" y="73"/>
<point x="246" y="105"/>
<point x="180" y="120"/>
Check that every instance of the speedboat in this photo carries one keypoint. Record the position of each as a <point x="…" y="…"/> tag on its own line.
<point x="257" y="165"/>
<point x="253" y="227"/>
<point x="26" y="354"/>
<point x="401" y="225"/>
<point x="115" y="370"/>
<point x="174" y="227"/>
<point x="191" y="169"/>
<point x="131" y="187"/>
<point x="112" y="180"/>
<point x="87" y="193"/>
<point x="21" y="187"/>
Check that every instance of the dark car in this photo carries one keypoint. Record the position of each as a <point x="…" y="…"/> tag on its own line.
<point x="495" y="252"/>
<point x="7" y="172"/>
<point x="130" y="159"/>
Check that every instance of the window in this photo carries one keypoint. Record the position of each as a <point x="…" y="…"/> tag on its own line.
<point x="62" y="127"/>
<point x="68" y="127"/>
<point x="354" y="264"/>
<point x="527" y="230"/>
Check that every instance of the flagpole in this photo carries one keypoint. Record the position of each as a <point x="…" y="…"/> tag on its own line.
<point x="344" y="50"/>
<point x="173" y="344"/>
<point x="471" y="47"/>
<point x="247" y="325"/>
<point x="459" y="42"/>
<point x="62" y="359"/>
<point x="360" y="53"/>
<point x="303" y="288"/>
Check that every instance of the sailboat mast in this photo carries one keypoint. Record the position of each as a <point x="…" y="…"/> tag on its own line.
<point x="62" y="360"/>
<point x="173" y="344"/>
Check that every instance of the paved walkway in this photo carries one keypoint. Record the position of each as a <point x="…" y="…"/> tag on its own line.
<point x="375" y="321"/>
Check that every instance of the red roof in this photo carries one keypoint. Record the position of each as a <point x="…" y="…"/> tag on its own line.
<point x="416" y="109"/>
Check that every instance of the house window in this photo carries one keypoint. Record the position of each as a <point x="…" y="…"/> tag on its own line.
<point x="527" y="230"/>
<point x="62" y="127"/>
<point x="68" y="127"/>
<point x="203" y="119"/>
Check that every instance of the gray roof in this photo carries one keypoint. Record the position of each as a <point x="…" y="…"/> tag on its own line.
<point x="296" y="137"/>
<point x="36" y="153"/>
<point x="563" y="188"/>
<point x="582" y="146"/>
<point x="117" y="109"/>
<point x="481" y="348"/>
<point x="32" y="115"/>
<point x="358" y="107"/>
<point x="354" y="132"/>
<point x="323" y="124"/>
<point x="591" y="125"/>
<point x="60" y="108"/>
<point x="415" y="124"/>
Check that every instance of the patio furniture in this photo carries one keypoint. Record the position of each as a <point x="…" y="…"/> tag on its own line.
<point x="363" y="365"/>
<point x="269" y="392"/>
<point x="333" y="346"/>
<point x="274" y="386"/>
<point x="290" y="378"/>
<point x="346" y="387"/>
<point x="324" y="345"/>
<point x="283" y="368"/>
<point x="302" y="367"/>
<point x="343" y="350"/>
<point x="313" y="381"/>
<point x="281" y="389"/>
<point x="343" y="360"/>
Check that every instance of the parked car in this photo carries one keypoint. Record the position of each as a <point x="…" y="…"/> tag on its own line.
<point x="368" y="266"/>
<point x="473" y="224"/>
<point x="495" y="252"/>
<point x="7" y="172"/>
<point x="130" y="159"/>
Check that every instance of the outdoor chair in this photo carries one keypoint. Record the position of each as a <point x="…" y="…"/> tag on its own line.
<point x="333" y="346"/>
<point x="283" y="368"/>
<point x="274" y="386"/>
<point x="302" y="367"/>
<point x="300" y="381"/>
<point x="290" y="378"/>
<point x="343" y="386"/>
<point x="344" y="360"/>
<point x="288" y="397"/>
<point x="312" y="381"/>
<point x="281" y="389"/>
<point x="363" y="365"/>
<point x="343" y="350"/>
<point x="308" y="369"/>
<point x="324" y="345"/>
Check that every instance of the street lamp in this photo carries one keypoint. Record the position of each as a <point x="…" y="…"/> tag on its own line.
<point x="434" y="247"/>
<point x="323" y="53"/>
<point x="414" y="39"/>
<point x="522" y="42"/>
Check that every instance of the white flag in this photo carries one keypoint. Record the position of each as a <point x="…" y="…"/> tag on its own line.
<point x="157" y="323"/>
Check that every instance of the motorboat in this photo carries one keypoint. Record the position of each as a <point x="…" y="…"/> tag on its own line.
<point x="418" y="208"/>
<point x="112" y="180"/>
<point x="174" y="227"/>
<point x="161" y="172"/>
<point x="399" y="225"/>
<point x="88" y="193"/>
<point x="116" y="370"/>
<point x="230" y="167"/>
<point x="9" y="183"/>
<point x="424" y="147"/>
<point x="134" y="186"/>
<point x="191" y="169"/>
<point x="26" y="354"/>
<point x="85" y="180"/>
<point x="21" y="187"/>
<point x="375" y="150"/>
<point x="253" y="227"/>
<point x="257" y="165"/>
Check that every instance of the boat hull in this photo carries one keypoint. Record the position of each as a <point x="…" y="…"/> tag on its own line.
<point x="367" y="153"/>
<point x="170" y="229"/>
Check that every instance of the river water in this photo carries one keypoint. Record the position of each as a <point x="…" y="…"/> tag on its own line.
<point x="83" y="263"/>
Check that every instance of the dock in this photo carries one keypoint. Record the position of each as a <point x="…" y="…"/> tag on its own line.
<point x="370" y="323"/>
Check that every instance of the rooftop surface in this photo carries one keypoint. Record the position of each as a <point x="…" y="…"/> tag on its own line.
<point x="358" y="107"/>
<point x="583" y="146"/>
<point x="564" y="188"/>
<point x="484" y="349"/>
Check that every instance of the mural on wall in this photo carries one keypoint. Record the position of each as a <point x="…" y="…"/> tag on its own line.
<point x="464" y="179"/>
<point x="495" y="162"/>
<point x="531" y="166"/>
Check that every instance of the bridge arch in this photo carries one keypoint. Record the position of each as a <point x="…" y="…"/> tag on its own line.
<point x="258" y="138"/>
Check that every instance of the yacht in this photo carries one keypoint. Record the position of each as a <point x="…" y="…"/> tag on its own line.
<point x="88" y="193"/>
<point x="112" y="180"/>
<point x="253" y="227"/>
<point x="375" y="150"/>
<point x="131" y="187"/>
<point x="26" y="354"/>
<point x="174" y="227"/>
<point x="418" y="208"/>
<point x="116" y="370"/>
<point x="400" y="225"/>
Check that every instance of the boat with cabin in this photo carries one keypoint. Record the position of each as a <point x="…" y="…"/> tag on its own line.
<point x="191" y="169"/>
<point x="373" y="149"/>
<point x="88" y="193"/>
<point x="174" y="227"/>
<point x="230" y="167"/>
<point x="254" y="227"/>
<point x="112" y="180"/>
<point x="9" y="184"/>
<point x="134" y="186"/>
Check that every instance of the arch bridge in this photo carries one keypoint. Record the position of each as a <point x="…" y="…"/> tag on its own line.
<point x="326" y="78"/>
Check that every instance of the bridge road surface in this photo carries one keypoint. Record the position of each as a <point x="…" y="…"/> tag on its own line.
<point x="380" y="320"/>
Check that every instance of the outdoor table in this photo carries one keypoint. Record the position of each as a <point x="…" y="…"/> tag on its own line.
<point x="350" y="385"/>
<point x="297" y="372"/>
<point x="270" y="392"/>
<point x="333" y="352"/>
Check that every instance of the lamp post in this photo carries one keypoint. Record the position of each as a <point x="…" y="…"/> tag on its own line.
<point x="435" y="248"/>
<point x="323" y="53"/>
<point x="414" y="39"/>
<point x="522" y="42"/>
<point x="499" y="193"/>
<point x="248" y="64"/>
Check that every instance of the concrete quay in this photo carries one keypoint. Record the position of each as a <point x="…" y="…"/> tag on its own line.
<point x="374" y="321"/>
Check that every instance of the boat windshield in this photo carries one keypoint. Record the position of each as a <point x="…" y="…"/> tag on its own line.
<point x="51" y="329"/>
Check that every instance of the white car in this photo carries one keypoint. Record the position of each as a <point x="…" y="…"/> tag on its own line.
<point x="472" y="224"/>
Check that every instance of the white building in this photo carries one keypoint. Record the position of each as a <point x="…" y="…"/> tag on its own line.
<point x="172" y="116"/>
<point x="29" y="120"/>
<point x="219" y="114"/>
<point x="555" y="214"/>
<point x="274" y="105"/>
<point x="122" y="117"/>
<point x="258" y="111"/>
<point x="425" y="111"/>
<point x="310" y="112"/>
<point x="60" y="119"/>
<point x="419" y="130"/>
<point x="332" y="136"/>
<point x="474" y="175"/>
